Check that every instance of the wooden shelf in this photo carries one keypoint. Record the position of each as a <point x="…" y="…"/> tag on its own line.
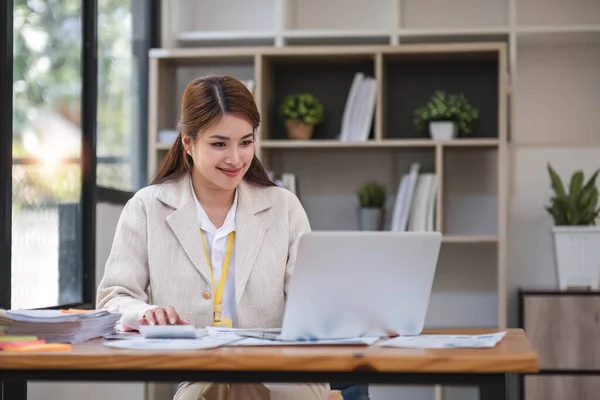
<point x="337" y="36"/>
<point x="470" y="239"/>
<point x="384" y="143"/>
<point x="334" y="33"/>
<point x="432" y="35"/>
<point x="212" y="38"/>
<point x="558" y="35"/>
<point x="483" y="31"/>
<point x="558" y="28"/>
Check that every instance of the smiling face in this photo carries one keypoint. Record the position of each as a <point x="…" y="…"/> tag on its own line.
<point x="223" y="152"/>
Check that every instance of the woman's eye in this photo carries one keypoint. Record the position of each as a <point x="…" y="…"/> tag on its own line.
<point x="247" y="142"/>
<point x="219" y="144"/>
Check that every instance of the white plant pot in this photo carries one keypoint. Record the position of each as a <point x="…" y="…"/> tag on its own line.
<point x="577" y="255"/>
<point x="442" y="130"/>
<point x="370" y="219"/>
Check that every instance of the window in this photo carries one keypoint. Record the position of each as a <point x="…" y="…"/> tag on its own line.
<point x="124" y="35"/>
<point x="60" y="101"/>
<point x="46" y="170"/>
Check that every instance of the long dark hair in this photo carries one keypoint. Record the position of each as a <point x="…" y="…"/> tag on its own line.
<point x="204" y="101"/>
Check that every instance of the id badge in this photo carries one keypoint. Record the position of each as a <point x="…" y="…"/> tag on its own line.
<point x="223" y="322"/>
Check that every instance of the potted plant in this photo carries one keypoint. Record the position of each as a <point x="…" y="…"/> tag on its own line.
<point x="371" y="198"/>
<point x="446" y="115"/>
<point x="301" y="112"/>
<point x="576" y="236"/>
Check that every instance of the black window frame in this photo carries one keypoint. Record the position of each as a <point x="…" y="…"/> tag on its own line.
<point x="91" y="194"/>
<point x="6" y="124"/>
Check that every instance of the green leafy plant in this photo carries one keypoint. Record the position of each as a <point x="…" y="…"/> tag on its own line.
<point x="302" y="106"/>
<point x="578" y="206"/>
<point x="447" y="107"/>
<point x="372" y="195"/>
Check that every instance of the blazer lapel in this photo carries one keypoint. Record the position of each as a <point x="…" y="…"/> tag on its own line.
<point x="185" y="226"/>
<point x="184" y="222"/>
<point x="250" y="233"/>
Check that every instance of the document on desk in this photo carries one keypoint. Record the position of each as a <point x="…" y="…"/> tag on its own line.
<point x="164" y="344"/>
<point x="242" y="337"/>
<point x="444" y="341"/>
<point x="364" y="341"/>
<point x="169" y="344"/>
<point x="172" y="337"/>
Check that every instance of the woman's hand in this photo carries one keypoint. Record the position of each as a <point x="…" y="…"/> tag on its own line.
<point x="163" y="316"/>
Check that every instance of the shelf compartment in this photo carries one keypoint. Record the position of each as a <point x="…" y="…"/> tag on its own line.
<point x="464" y="290"/>
<point x="469" y="194"/>
<point x="456" y="14"/>
<point x="547" y="75"/>
<point x="557" y="12"/>
<point x="409" y="81"/>
<point x="328" y="77"/>
<point x="223" y="16"/>
<point x="328" y="180"/>
<point x="170" y="73"/>
<point x="176" y="72"/>
<point x="318" y="15"/>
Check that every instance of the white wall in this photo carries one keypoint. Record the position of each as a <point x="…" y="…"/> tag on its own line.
<point x="107" y="216"/>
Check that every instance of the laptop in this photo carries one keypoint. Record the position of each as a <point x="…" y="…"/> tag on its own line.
<point x="349" y="284"/>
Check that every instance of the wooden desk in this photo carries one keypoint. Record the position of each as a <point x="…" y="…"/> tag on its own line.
<point x="486" y="368"/>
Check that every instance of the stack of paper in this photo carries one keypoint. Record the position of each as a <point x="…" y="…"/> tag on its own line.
<point x="58" y="326"/>
<point x="12" y="341"/>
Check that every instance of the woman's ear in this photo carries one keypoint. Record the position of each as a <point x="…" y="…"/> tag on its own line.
<point x="187" y="144"/>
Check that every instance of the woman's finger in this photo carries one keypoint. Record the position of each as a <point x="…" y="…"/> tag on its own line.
<point x="149" y="316"/>
<point x="161" y="316"/>
<point x="172" y="315"/>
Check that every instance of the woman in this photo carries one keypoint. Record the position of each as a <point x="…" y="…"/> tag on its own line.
<point x="210" y="215"/>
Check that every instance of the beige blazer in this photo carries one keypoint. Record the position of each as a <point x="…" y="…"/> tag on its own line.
<point x="157" y="255"/>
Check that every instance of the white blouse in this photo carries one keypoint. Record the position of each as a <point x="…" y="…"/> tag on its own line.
<point x="216" y="242"/>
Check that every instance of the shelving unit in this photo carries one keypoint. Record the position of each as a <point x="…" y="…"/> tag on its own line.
<point x="330" y="172"/>
<point x="530" y="66"/>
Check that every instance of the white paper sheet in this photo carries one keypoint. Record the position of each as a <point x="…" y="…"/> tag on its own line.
<point x="171" y="332"/>
<point x="444" y="341"/>
<point x="267" y="342"/>
<point x="167" y="344"/>
<point x="237" y="340"/>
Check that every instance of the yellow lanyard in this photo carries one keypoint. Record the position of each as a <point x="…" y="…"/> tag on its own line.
<point x="218" y="297"/>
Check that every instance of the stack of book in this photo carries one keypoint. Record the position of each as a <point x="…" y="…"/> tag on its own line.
<point x="414" y="208"/>
<point x="357" y="119"/>
<point x="58" y="326"/>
